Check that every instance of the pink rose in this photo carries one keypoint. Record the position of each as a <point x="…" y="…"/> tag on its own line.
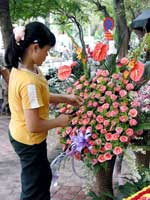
<point x="94" y="162"/>
<point x="117" y="150"/>
<point x="134" y="103"/>
<point x="69" y="90"/>
<point x="102" y="88"/>
<point x="123" y="108"/>
<point x="105" y="73"/>
<point x="102" y="99"/>
<point x="93" y="85"/>
<point x="93" y="151"/>
<point x="97" y="96"/>
<point x="119" y="130"/>
<point x="99" y="127"/>
<point x="105" y="106"/>
<point x="108" y="146"/>
<point x="86" y="121"/>
<point x="86" y="83"/>
<point x="129" y="132"/>
<point x="115" y="76"/>
<point x="83" y="129"/>
<point x="129" y="86"/>
<point x="123" y="93"/>
<point x="100" y="109"/>
<point x="86" y="95"/>
<point x="108" y="136"/>
<point x="99" y="72"/>
<point x="79" y="87"/>
<point x="101" y="158"/>
<point x="124" y="61"/>
<point x="114" y="113"/>
<point x="100" y="119"/>
<point x="94" y="136"/>
<point x="115" y="136"/>
<point x="103" y="131"/>
<point x="91" y="142"/>
<point x="90" y="104"/>
<point x="108" y="93"/>
<point x="125" y="81"/>
<point x="106" y="123"/>
<point x="95" y="104"/>
<point x="133" y="112"/>
<point x="117" y="89"/>
<point x="63" y="110"/>
<point x="98" y="141"/>
<point x="115" y="104"/>
<point x="82" y="78"/>
<point x="113" y="97"/>
<point x="94" y="79"/>
<point x="133" y="122"/>
<point x="107" y="156"/>
<point x="123" y="139"/>
<point x="123" y="118"/>
<point x="74" y="121"/>
<point x="110" y="84"/>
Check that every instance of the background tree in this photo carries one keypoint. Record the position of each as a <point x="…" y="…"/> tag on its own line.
<point x="5" y="21"/>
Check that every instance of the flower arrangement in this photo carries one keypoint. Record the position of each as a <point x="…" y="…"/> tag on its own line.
<point x="103" y="126"/>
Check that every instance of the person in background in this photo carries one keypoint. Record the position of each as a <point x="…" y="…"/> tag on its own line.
<point x="3" y="70"/>
<point x="29" y="99"/>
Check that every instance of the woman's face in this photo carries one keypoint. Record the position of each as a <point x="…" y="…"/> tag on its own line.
<point x="39" y="54"/>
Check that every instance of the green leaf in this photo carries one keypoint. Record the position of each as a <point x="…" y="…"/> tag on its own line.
<point x="142" y="126"/>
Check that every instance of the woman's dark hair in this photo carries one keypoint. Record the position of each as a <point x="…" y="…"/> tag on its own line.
<point x="35" y="32"/>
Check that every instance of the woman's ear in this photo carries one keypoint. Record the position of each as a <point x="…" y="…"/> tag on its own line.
<point x="36" y="48"/>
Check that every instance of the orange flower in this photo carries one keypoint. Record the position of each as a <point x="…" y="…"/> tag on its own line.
<point x="79" y="53"/>
<point x="64" y="72"/>
<point x="137" y="71"/>
<point x="126" y="74"/>
<point x="100" y="51"/>
<point x="132" y="63"/>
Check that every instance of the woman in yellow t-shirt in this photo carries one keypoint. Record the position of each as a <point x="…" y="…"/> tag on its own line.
<point x="29" y="100"/>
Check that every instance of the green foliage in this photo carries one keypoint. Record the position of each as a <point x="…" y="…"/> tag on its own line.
<point x="132" y="187"/>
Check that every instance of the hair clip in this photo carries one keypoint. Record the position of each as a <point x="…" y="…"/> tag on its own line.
<point x="35" y="41"/>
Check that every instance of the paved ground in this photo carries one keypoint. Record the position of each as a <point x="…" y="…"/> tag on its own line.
<point x="69" y="187"/>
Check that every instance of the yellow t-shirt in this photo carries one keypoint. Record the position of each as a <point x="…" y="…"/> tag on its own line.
<point x="27" y="90"/>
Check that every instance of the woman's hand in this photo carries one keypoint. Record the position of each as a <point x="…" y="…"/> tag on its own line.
<point x="64" y="120"/>
<point x="74" y="100"/>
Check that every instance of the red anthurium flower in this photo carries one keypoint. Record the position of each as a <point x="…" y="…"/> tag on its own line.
<point x="64" y="72"/>
<point x="100" y="51"/>
<point x="137" y="71"/>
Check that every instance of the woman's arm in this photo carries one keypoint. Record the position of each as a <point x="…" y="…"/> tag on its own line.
<point x="64" y="98"/>
<point x="5" y="73"/>
<point x="36" y="125"/>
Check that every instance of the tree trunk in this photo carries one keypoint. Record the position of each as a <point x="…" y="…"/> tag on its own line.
<point x="104" y="181"/>
<point x="122" y="30"/>
<point x="5" y="21"/>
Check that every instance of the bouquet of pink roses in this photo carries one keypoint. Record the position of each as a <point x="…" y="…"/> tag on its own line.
<point x="103" y="125"/>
